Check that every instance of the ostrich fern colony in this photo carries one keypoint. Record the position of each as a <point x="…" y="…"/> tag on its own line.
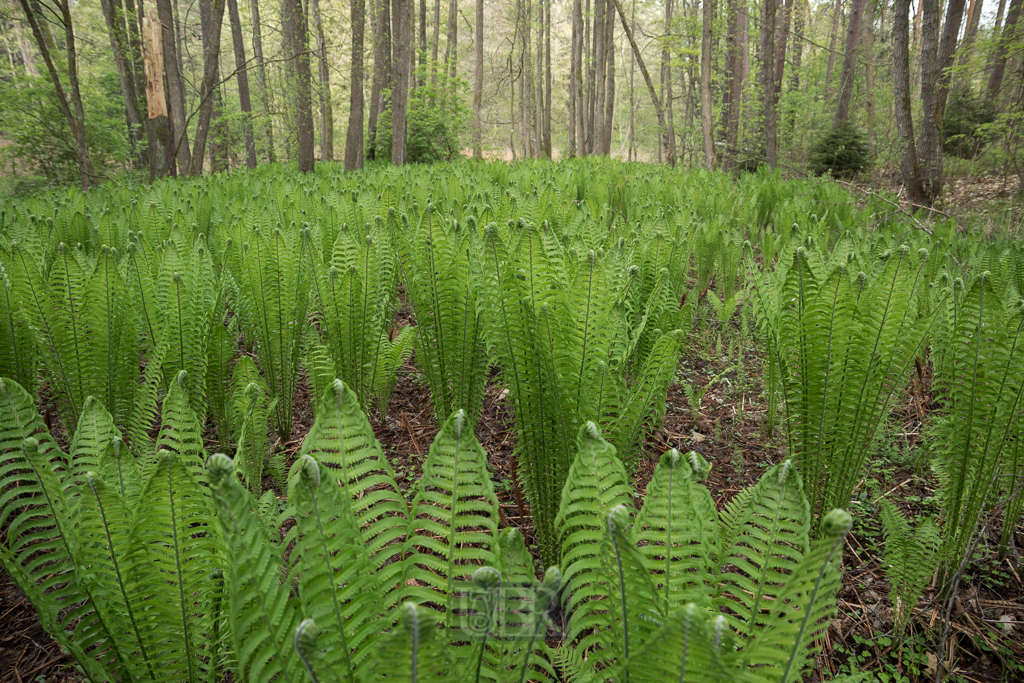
<point x="172" y="324"/>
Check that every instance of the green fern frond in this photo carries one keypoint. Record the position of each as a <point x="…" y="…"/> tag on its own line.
<point x="692" y="646"/>
<point x="911" y="557"/>
<point x="262" y="613"/>
<point x="414" y="652"/>
<point x="453" y="520"/>
<point x="676" y="529"/>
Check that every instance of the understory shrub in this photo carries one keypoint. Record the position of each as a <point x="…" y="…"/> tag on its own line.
<point x="842" y="152"/>
<point x="963" y="124"/>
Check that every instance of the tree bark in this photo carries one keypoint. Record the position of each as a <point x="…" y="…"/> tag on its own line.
<point x="261" y="79"/>
<point x="114" y="17"/>
<point x="947" y="50"/>
<point x="539" y="96"/>
<point x="849" y="62"/>
<point x="326" y="105"/>
<point x="659" y="112"/>
<point x="797" y="52"/>
<point x="733" y="90"/>
<point x="354" y="137"/>
<point x="451" y="48"/>
<point x="929" y="144"/>
<point x="995" y="81"/>
<point x="242" y="76"/>
<point x="435" y="42"/>
<point x="478" y="83"/>
<point x="576" y="107"/>
<point x="400" y="85"/>
<point x="212" y="16"/>
<point x="75" y="119"/>
<point x="668" y="141"/>
<point x="909" y="169"/>
<point x="837" y="12"/>
<point x="547" y="78"/>
<point x="158" y="123"/>
<point x="609" y="84"/>
<point x="869" y="65"/>
<point x="296" y="27"/>
<point x="780" y="46"/>
<point x="175" y="91"/>
<point x="766" y="53"/>
<point x="421" y="80"/>
<point x="705" y="84"/>
<point x="381" y="70"/>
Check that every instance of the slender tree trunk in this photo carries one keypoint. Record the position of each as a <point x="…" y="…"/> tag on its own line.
<point x="242" y="76"/>
<point x="478" y="83"/>
<point x="576" y="107"/>
<point x="869" y="65"/>
<point x="995" y="81"/>
<point x="668" y="132"/>
<point x="837" y="13"/>
<point x="659" y="112"/>
<point x="600" y="65"/>
<point x="766" y="54"/>
<point x="547" y="78"/>
<point x="354" y="137"/>
<point x="220" y="139"/>
<point x="400" y="85"/>
<point x="381" y="70"/>
<point x="75" y="118"/>
<point x="211" y="14"/>
<point x="849" y="62"/>
<point x="114" y="17"/>
<point x="539" y="109"/>
<point x="909" y="168"/>
<point x="797" y="54"/>
<point x="590" y="36"/>
<point x="435" y="42"/>
<point x="632" y="94"/>
<point x="158" y="123"/>
<point x="132" y="14"/>
<point x="780" y="46"/>
<point x="451" y="48"/>
<point x="947" y="50"/>
<point x="261" y="80"/>
<point x="421" y="79"/>
<point x="528" y="92"/>
<point x="929" y="144"/>
<point x="732" y="89"/>
<point x="326" y="105"/>
<point x="175" y="90"/>
<point x="297" y="29"/>
<point x="609" y="84"/>
<point x="705" y="84"/>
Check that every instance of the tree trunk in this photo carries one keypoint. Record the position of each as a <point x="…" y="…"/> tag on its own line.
<point x="114" y="17"/>
<point x="909" y="168"/>
<point x="929" y="144"/>
<point x="849" y="62"/>
<point x="837" y="12"/>
<point x="132" y="14"/>
<point x="797" y="52"/>
<point x="211" y="14"/>
<point x="632" y="94"/>
<point x="705" y="84"/>
<point x="609" y="84"/>
<point x="75" y="119"/>
<point x="539" y="96"/>
<point x="995" y="81"/>
<point x="478" y="83"/>
<point x="576" y="82"/>
<point x="175" y="91"/>
<point x="780" y="46"/>
<point x="947" y="50"/>
<point x="400" y="84"/>
<point x="354" y="137"/>
<point x="242" y="76"/>
<point x="600" y="64"/>
<point x="659" y="112"/>
<point x="733" y="84"/>
<point x="451" y="48"/>
<point x="547" y="78"/>
<point x="261" y="79"/>
<point x="869" y="65"/>
<point x="158" y="123"/>
<point x="381" y="70"/>
<point x="326" y="106"/>
<point x="668" y="141"/>
<point x="422" y="80"/>
<point x="296" y="28"/>
<point x="435" y="42"/>
<point x="590" y="36"/>
<point x="973" y="19"/>
<point x="766" y="53"/>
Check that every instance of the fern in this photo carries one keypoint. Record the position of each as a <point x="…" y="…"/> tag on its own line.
<point x="911" y="557"/>
<point x="250" y="407"/>
<point x="453" y="520"/>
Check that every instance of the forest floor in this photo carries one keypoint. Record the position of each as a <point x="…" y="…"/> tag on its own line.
<point x="982" y="628"/>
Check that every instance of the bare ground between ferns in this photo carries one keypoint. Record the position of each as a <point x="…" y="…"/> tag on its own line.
<point x="728" y="430"/>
